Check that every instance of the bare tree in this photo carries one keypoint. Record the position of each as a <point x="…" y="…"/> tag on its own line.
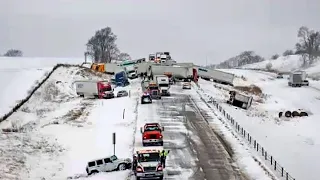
<point x="13" y="53"/>
<point x="288" y="53"/>
<point x="124" y="56"/>
<point x="275" y="56"/>
<point x="309" y="42"/>
<point x="269" y="66"/>
<point x="102" y="46"/>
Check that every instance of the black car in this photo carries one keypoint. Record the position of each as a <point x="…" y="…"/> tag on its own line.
<point x="146" y="99"/>
<point x="122" y="93"/>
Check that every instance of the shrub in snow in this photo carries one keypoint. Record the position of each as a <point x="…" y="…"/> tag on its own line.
<point x="269" y="66"/>
<point x="50" y="91"/>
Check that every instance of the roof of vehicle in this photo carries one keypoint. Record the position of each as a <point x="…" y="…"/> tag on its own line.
<point x="149" y="150"/>
<point x="152" y="124"/>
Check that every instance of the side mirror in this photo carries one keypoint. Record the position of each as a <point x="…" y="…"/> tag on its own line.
<point x="141" y="130"/>
<point x="162" y="128"/>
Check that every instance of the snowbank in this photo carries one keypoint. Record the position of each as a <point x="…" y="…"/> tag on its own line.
<point x="19" y="74"/>
<point x="59" y="132"/>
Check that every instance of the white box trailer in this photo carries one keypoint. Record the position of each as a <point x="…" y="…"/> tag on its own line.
<point x="94" y="88"/>
<point x="216" y="75"/>
<point x="176" y="71"/>
<point x="298" y="79"/>
<point x="112" y="68"/>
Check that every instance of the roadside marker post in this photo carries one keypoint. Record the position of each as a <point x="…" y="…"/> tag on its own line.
<point x="114" y="143"/>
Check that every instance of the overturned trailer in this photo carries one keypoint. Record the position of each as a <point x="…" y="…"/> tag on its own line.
<point x="240" y="100"/>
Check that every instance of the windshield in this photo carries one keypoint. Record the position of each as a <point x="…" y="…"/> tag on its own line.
<point x="113" y="158"/>
<point x="153" y="88"/>
<point x="163" y="85"/>
<point x="152" y="128"/>
<point x="148" y="157"/>
<point x="107" y="88"/>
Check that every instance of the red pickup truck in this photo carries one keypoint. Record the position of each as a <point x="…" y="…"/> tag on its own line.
<point x="152" y="134"/>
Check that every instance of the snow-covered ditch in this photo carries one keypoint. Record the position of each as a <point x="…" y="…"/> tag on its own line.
<point x="292" y="142"/>
<point x="59" y="132"/>
<point x="18" y="75"/>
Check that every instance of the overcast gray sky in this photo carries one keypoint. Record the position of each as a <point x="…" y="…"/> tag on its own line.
<point x="190" y="29"/>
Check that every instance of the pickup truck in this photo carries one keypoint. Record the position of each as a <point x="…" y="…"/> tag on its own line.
<point x="152" y="134"/>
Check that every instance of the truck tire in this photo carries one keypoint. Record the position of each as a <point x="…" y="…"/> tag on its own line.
<point x="303" y="114"/>
<point x="161" y="177"/>
<point x="161" y="143"/>
<point x="295" y="114"/>
<point x="287" y="114"/>
<point x="144" y="144"/>
<point x="137" y="178"/>
<point x="82" y="95"/>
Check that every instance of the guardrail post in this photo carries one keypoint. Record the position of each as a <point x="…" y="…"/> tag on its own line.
<point x="281" y="171"/>
<point x="254" y="144"/>
<point x="271" y="160"/>
<point x="275" y="165"/>
<point x="257" y="146"/>
<point x="266" y="155"/>
<point x="287" y="176"/>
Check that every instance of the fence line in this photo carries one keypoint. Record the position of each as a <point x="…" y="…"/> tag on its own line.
<point x="276" y="167"/>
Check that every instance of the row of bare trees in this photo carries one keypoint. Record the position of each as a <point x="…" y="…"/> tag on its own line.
<point x="307" y="46"/>
<point x="102" y="47"/>
<point x="13" y="53"/>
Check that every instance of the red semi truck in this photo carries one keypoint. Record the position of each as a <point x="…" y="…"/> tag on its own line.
<point x="152" y="134"/>
<point x="92" y="88"/>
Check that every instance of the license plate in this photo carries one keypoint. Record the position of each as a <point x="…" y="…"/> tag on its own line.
<point x="149" y="175"/>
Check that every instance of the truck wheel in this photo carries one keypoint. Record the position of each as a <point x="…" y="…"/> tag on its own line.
<point x="137" y="178"/>
<point x="295" y="114"/>
<point x="144" y="144"/>
<point x="303" y="114"/>
<point x="93" y="172"/>
<point x="82" y="95"/>
<point x="161" y="143"/>
<point x="161" y="177"/>
<point x="287" y="114"/>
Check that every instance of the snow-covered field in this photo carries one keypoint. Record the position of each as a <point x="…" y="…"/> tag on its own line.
<point x="19" y="74"/>
<point x="60" y="132"/>
<point x="294" y="143"/>
<point x="287" y="64"/>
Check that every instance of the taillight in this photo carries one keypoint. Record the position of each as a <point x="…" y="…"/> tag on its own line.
<point x="139" y="169"/>
<point x="159" y="168"/>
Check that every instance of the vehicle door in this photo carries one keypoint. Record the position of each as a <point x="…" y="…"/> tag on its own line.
<point x="109" y="166"/>
<point x="100" y="165"/>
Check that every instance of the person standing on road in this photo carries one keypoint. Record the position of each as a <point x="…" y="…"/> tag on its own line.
<point x="163" y="157"/>
<point x="134" y="163"/>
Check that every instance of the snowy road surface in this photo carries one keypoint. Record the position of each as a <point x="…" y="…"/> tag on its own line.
<point x="195" y="151"/>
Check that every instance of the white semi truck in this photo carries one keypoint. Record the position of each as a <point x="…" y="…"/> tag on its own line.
<point x="298" y="79"/>
<point x="216" y="75"/>
<point x="163" y="84"/>
<point x="94" y="88"/>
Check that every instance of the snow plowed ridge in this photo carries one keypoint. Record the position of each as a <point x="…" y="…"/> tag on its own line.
<point x="37" y="86"/>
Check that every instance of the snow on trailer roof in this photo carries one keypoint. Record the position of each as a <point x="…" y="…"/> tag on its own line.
<point x="149" y="149"/>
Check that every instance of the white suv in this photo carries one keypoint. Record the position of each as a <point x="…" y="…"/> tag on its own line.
<point x="107" y="164"/>
<point x="149" y="165"/>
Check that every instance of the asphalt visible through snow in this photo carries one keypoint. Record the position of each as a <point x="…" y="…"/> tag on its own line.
<point x="196" y="152"/>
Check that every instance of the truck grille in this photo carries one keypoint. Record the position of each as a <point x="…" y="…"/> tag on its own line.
<point x="149" y="169"/>
<point x="153" y="136"/>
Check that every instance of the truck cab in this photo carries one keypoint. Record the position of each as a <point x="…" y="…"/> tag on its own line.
<point x="164" y="85"/>
<point x="149" y="164"/>
<point x="154" y="90"/>
<point x="152" y="134"/>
